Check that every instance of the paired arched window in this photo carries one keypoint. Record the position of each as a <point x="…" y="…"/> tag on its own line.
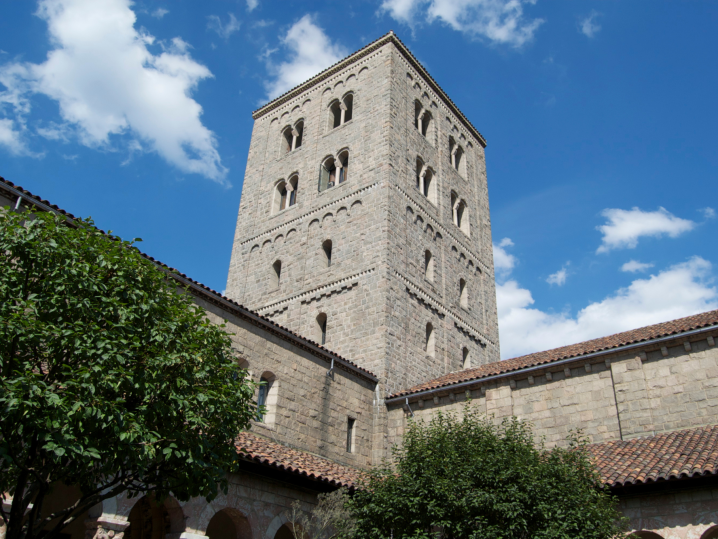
<point x="292" y="137"/>
<point x="267" y="397"/>
<point x="423" y="120"/>
<point x="425" y="180"/>
<point x="341" y="110"/>
<point x="327" y="250"/>
<point x="334" y="170"/>
<point x="430" y="347"/>
<point x="428" y="266"/>
<point x="465" y="360"/>
<point x="463" y="294"/>
<point x="285" y="194"/>
<point x="322" y="328"/>
<point x="460" y="214"/>
<point x="456" y="157"/>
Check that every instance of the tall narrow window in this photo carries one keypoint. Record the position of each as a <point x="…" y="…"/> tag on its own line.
<point x="429" y="340"/>
<point x="293" y="186"/>
<point x="297" y="133"/>
<point x="428" y="266"/>
<point x="428" y="187"/>
<point x="340" y="112"/>
<point x="465" y="361"/>
<point x="463" y="294"/>
<point x="350" y="434"/>
<point x="276" y="273"/>
<point x="349" y="107"/>
<point x="322" y="328"/>
<point x="287" y="139"/>
<point x="283" y="195"/>
<point x="327" y="174"/>
<point x="343" y="166"/>
<point x="327" y="249"/>
<point x="419" y="170"/>
<point x="336" y="114"/>
<point x="262" y="398"/>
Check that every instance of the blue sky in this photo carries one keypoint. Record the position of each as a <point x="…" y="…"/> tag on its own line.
<point x="600" y="119"/>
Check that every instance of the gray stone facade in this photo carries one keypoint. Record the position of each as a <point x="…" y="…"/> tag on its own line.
<point x="375" y="295"/>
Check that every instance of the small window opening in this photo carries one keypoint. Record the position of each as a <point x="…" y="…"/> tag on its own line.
<point x="428" y="177"/>
<point x="282" y="197"/>
<point x="463" y="294"/>
<point x="458" y="159"/>
<point x="422" y="118"/>
<point x="327" y="174"/>
<point x="428" y="266"/>
<point x="465" y="361"/>
<point x="322" y="327"/>
<point x="277" y="274"/>
<point x="349" y="106"/>
<point x="350" y="434"/>
<point x="287" y="140"/>
<point x="459" y="214"/>
<point x="297" y="134"/>
<point x="327" y="248"/>
<point x="429" y="340"/>
<point x="262" y="397"/>
<point x="293" y="185"/>
<point x="336" y="116"/>
<point x="343" y="166"/>
<point x="419" y="169"/>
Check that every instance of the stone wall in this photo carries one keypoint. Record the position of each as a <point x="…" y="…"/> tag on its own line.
<point x="308" y="408"/>
<point x="615" y="395"/>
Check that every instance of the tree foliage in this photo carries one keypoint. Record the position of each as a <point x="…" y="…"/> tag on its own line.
<point x="112" y="379"/>
<point x="468" y="478"/>
<point x="331" y="518"/>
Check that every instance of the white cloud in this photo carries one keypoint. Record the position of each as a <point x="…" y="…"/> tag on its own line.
<point x="588" y="26"/>
<point x="499" y="21"/>
<point x="12" y="139"/>
<point x="252" y="5"/>
<point x="160" y="12"/>
<point x="311" y="51"/>
<point x="558" y="278"/>
<point x="634" y="266"/>
<point x="625" y="227"/>
<point x="680" y="290"/>
<point x="503" y="261"/>
<point x="708" y="213"/>
<point x="107" y="83"/>
<point x="223" y="30"/>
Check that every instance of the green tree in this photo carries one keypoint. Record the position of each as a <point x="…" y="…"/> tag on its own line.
<point x="467" y="478"/>
<point x="112" y="379"/>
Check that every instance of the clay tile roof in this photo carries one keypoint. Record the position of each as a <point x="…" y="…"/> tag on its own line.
<point x="675" y="455"/>
<point x="664" y="329"/>
<point x="213" y="295"/>
<point x="260" y="450"/>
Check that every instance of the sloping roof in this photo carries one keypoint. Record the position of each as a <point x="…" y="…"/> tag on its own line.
<point x="681" y="454"/>
<point x="664" y="329"/>
<point x="280" y="457"/>
<point x="389" y="37"/>
<point x="206" y="292"/>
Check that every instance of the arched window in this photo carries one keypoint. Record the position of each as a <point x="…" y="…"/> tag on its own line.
<point x="285" y="194"/>
<point x="267" y="397"/>
<point x="429" y="340"/>
<point x="428" y="266"/>
<point x="460" y="214"/>
<point x="276" y="274"/>
<point x="425" y="181"/>
<point x="292" y="137"/>
<point x="343" y="166"/>
<point x="327" y="250"/>
<point x="463" y="294"/>
<point x="327" y="174"/>
<point x="465" y="360"/>
<point x="228" y="524"/>
<point x="423" y="119"/>
<point x="340" y="112"/>
<point x="456" y="157"/>
<point x="322" y="328"/>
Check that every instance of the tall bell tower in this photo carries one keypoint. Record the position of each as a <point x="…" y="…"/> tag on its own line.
<point x="364" y="220"/>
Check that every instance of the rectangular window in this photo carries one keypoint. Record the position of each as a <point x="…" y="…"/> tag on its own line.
<point x="323" y="178"/>
<point x="350" y="434"/>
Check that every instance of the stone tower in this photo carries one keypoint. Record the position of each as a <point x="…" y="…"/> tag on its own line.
<point x="364" y="220"/>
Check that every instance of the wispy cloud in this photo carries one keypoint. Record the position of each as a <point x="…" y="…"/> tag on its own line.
<point x="224" y="30"/>
<point x="252" y="5"/>
<point x="588" y="25"/>
<point x="634" y="266"/>
<point x="309" y="51"/>
<point x="160" y="12"/>
<point x="708" y="213"/>
<point x="11" y="138"/>
<point x="558" y="278"/>
<point x="504" y="262"/>
<point x="680" y="290"/>
<point x="624" y="227"/>
<point x="110" y="87"/>
<point x="498" y="21"/>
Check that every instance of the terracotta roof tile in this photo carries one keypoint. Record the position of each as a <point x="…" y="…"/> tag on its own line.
<point x="633" y="336"/>
<point x="272" y="454"/>
<point x="27" y="195"/>
<point x="674" y="455"/>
